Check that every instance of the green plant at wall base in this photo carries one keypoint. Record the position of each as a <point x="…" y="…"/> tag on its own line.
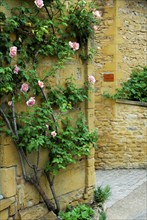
<point x="80" y="212"/>
<point x="101" y="194"/>
<point x="102" y="216"/>
<point x="135" y="88"/>
<point x="33" y="113"/>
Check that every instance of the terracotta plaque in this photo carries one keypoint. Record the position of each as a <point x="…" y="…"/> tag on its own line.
<point x="108" y="77"/>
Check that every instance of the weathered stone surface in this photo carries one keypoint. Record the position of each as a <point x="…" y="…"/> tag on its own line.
<point x="121" y="127"/>
<point x="120" y="43"/>
<point x="8" y="154"/>
<point x="5" y="203"/>
<point x="90" y="176"/>
<point x="12" y="209"/>
<point x="126" y="139"/>
<point x="30" y="194"/>
<point x="67" y="179"/>
<point x="49" y="216"/>
<point x="7" y="176"/>
<point x="4" y="214"/>
<point x="70" y="197"/>
<point x="33" y="213"/>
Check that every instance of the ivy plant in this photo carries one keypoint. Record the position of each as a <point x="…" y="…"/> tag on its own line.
<point x="33" y="113"/>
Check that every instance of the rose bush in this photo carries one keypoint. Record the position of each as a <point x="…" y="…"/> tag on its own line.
<point x="42" y="124"/>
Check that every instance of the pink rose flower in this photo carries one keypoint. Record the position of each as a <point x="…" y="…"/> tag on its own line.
<point x="31" y="101"/>
<point x="91" y="79"/>
<point x="13" y="51"/>
<point x="40" y="84"/>
<point x="97" y="14"/>
<point x="95" y="28"/>
<point x="16" y="69"/>
<point x="39" y="3"/>
<point x="53" y="133"/>
<point x="10" y="103"/>
<point x="73" y="45"/>
<point x="24" y="87"/>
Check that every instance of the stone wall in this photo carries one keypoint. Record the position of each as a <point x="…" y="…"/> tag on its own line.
<point x="20" y="200"/>
<point x="121" y="45"/>
<point x="126" y="138"/>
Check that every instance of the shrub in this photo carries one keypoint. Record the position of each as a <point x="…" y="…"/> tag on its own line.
<point x="134" y="89"/>
<point x="80" y="212"/>
<point x="31" y="33"/>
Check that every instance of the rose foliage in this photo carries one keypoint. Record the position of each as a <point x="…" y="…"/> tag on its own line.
<point x="35" y="114"/>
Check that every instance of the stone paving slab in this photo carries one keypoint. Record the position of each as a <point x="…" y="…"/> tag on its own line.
<point x="141" y="217"/>
<point x="132" y="207"/>
<point x="121" y="181"/>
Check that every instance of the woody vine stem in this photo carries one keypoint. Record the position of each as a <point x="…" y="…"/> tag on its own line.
<point x="48" y="28"/>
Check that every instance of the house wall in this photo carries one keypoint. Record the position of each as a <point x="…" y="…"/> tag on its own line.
<point x="121" y="45"/>
<point x="19" y="199"/>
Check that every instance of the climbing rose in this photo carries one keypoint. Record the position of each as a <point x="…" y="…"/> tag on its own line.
<point x="40" y="84"/>
<point x="13" y="51"/>
<point x="10" y="103"/>
<point x="91" y="79"/>
<point x="97" y="14"/>
<point x="31" y="101"/>
<point x="53" y="133"/>
<point x="39" y="3"/>
<point x="24" y="87"/>
<point x="95" y="28"/>
<point x="73" y="45"/>
<point x="16" y="69"/>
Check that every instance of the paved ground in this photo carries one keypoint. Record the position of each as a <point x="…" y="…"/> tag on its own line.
<point x="129" y="193"/>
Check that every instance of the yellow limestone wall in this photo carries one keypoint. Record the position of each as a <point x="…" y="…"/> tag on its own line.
<point x="73" y="185"/>
<point x="76" y="184"/>
<point x="121" y="45"/>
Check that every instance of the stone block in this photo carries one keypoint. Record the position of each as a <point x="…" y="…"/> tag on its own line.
<point x="12" y="209"/>
<point x="90" y="176"/>
<point x="30" y="195"/>
<point x="91" y="102"/>
<point x="92" y="153"/>
<point x="33" y="213"/>
<point x="111" y="67"/>
<point x="4" y="214"/>
<point x="49" y="216"/>
<point x="8" y="154"/>
<point x="27" y="195"/>
<point x="109" y="12"/>
<point x="90" y="162"/>
<point x="109" y="50"/>
<point x="90" y="119"/>
<point x="8" y="181"/>
<point x="110" y="31"/>
<point x="5" y="203"/>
